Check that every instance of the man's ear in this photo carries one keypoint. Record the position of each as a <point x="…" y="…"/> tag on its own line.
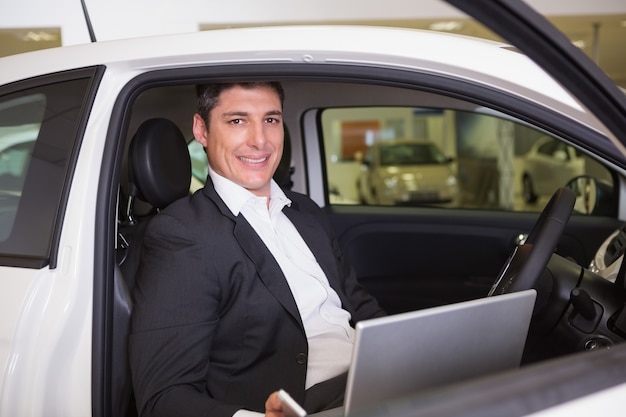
<point x="200" y="130"/>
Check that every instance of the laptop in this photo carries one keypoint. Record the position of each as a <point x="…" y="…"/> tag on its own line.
<point x="406" y="353"/>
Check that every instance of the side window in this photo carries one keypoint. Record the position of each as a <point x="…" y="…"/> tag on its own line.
<point x="447" y="158"/>
<point x="39" y="129"/>
<point x="17" y="140"/>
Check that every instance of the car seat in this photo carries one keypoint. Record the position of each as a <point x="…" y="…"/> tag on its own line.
<point x="159" y="173"/>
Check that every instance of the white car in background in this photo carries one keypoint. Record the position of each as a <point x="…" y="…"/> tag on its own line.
<point x="111" y="119"/>
<point x="548" y="165"/>
<point x="407" y="172"/>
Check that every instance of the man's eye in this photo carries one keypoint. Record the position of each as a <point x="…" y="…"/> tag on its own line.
<point x="273" y="120"/>
<point x="236" y="121"/>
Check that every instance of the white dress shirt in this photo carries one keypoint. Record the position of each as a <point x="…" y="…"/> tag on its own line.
<point x="329" y="334"/>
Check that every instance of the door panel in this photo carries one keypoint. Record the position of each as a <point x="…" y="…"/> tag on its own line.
<point x="415" y="258"/>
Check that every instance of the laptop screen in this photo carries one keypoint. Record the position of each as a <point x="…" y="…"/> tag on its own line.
<point x="406" y="353"/>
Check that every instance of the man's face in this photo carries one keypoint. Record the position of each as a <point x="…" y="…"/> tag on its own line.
<point x="245" y="138"/>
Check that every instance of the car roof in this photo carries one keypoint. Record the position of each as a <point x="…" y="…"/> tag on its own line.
<point x="258" y="44"/>
<point x="476" y="60"/>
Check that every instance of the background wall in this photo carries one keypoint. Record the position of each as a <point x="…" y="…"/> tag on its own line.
<point x="114" y="19"/>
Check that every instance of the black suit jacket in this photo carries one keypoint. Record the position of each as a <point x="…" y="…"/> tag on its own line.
<point x="215" y="327"/>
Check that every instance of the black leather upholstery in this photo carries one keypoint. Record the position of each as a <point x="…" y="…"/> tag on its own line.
<point x="159" y="163"/>
<point x="159" y="169"/>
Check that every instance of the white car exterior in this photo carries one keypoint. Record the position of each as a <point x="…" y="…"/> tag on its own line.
<point x="47" y="333"/>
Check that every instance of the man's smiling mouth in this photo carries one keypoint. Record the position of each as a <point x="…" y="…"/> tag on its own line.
<point x="253" y="160"/>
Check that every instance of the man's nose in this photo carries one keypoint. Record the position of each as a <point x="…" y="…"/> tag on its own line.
<point x="257" y="136"/>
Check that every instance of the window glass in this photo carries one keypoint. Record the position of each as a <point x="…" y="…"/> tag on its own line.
<point x="17" y="140"/>
<point x="38" y="132"/>
<point x="447" y="158"/>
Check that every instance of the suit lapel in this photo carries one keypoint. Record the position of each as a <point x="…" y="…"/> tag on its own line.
<point x="268" y="269"/>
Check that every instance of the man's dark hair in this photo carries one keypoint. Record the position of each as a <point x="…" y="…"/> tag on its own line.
<point x="208" y="94"/>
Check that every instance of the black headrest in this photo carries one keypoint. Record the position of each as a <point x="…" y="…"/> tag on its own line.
<point x="159" y="163"/>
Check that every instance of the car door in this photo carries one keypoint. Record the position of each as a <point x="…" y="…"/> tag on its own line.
<point x="44" y="310"/>
<point x="412" y="255"/>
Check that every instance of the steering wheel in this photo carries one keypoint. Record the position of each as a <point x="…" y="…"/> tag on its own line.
<point x="526" y="263"/>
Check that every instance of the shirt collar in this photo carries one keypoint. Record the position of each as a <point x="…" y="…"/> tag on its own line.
<point x="235" y="196"/>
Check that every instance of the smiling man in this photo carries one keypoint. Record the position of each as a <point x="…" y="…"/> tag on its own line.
<point x="245" y="142"/>
<point x="242" y="289"/>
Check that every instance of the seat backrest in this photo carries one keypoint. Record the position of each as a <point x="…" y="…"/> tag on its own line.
<point x="159" y="170"/>
<point x="159" y="164"/>
<point x="159" y="173"/>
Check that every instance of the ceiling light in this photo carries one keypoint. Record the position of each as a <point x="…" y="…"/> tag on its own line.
<point x="446" y="26"/>
<point x="40" y="36"/>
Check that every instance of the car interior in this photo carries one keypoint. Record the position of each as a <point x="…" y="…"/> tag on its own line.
<point x="409" y="256"/>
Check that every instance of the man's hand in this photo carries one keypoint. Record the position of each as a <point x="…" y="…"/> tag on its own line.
<point x="273" y="406"/>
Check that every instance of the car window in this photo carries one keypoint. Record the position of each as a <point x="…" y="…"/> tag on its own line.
<point x="17" y="140"/>
<point x="38" y="131"/>
<point x="444" y="157"/>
